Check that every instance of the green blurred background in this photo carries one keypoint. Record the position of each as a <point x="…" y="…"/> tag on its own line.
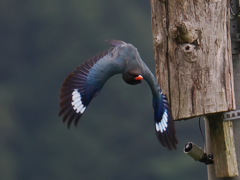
<point x="40" y="43"/>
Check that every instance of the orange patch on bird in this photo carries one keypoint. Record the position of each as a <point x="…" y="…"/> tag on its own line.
<point x="139" y="78"/>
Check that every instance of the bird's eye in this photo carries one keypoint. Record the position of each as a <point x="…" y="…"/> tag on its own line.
<point x="133" y="75"/>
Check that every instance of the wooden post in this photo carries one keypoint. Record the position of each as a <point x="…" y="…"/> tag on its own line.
<point x="192" y="48"/>
<point x="223" y="148"/>
<point x="231" y="126"/>
<point x="234" y="127"/>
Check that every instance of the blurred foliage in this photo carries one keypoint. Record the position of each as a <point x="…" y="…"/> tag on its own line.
<point x="43" y="41"/>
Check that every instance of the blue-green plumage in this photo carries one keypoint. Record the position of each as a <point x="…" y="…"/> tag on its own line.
<point x="88" y="79"/>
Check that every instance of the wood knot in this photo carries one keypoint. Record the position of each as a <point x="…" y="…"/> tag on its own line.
<point x="188" y="33"/>
<point x="188" y="52"/>
<point x="158" y="39"/>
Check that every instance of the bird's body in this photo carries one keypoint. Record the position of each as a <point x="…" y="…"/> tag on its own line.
<point x="88" y="79"/>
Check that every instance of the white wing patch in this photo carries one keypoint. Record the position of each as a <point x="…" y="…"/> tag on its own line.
<point x="77" y="102"/>
<point x="163" y="124"/>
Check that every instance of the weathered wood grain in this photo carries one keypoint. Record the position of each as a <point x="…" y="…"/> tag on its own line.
<point x="192" y="53"/>
<point x="159" y="28"/>
<point x="223" y="149"/>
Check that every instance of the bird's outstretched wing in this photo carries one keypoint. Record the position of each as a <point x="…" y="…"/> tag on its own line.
<point x="164" y="124"/>
<point x="163" y="120"/>
<point x="83" y="84"/>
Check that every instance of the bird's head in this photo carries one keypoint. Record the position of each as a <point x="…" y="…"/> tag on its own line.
<point x="132" y="77"/>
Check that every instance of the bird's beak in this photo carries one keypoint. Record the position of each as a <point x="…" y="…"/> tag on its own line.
<point x="139" y="78"/>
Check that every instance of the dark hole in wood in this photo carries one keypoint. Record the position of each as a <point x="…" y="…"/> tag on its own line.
<point x="228" y="116"/>
<point x="187" y="48"/>
<point x="233" y="115"/>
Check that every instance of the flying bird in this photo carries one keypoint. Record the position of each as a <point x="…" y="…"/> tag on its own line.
<point x="85" y="83"/>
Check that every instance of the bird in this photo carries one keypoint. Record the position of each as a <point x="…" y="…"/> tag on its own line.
<point x="87" y="80"/>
